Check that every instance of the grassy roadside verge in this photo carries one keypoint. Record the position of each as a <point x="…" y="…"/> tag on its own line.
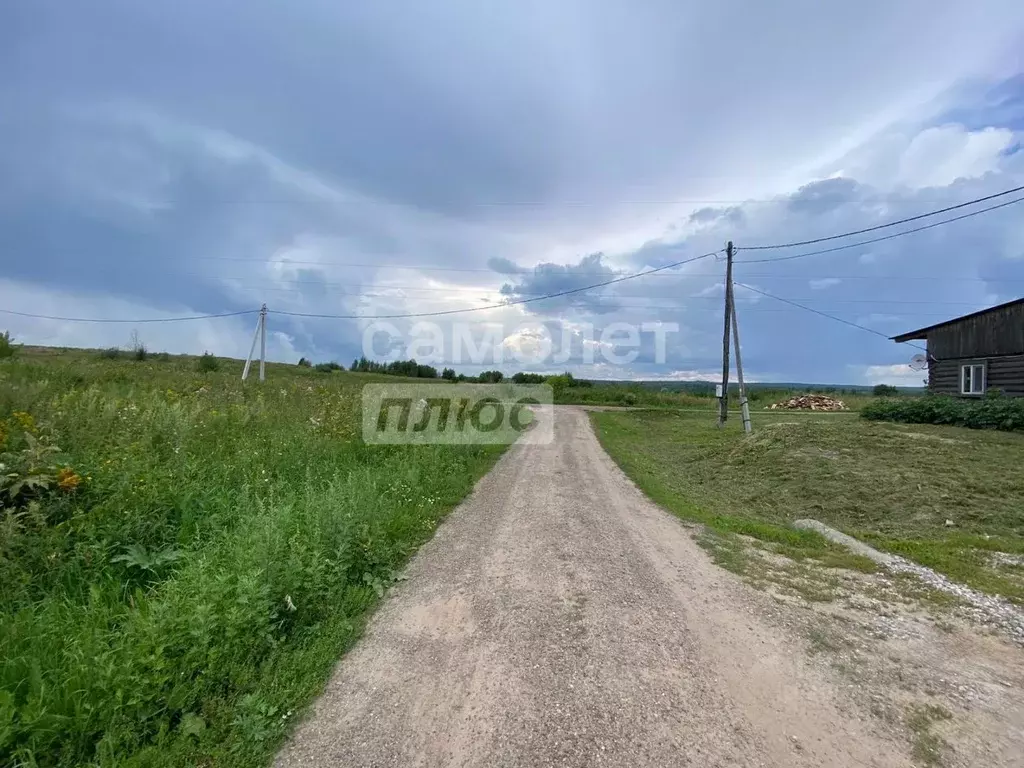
<point x="638" y="395"/>
<point x="893" y="485"/>
<point x="195" y="554"/>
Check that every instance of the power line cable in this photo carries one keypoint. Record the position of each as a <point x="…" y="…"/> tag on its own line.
<point x="446" y="288"/>
<point x="614" y="297"/>
<point x="398" y="291"/>
<point x="142" y="320"/>
<point x="776" y="200"/>
<point x="878" y="239"/>
<point x="282" y="312"/>
<point x="504" y="304"/>
<point x="823" y="314"/>
<point x="486" y="289"/>
<point x="680" y="307"/>
<point x="890" y="224"/>
<point x="288" y="262"/>
<point x="595" y="285"/>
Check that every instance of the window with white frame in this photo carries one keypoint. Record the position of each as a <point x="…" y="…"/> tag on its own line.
<point x="972" y="379"/>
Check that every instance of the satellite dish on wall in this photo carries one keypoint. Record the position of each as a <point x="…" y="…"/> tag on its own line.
<point x="919" y="362"/>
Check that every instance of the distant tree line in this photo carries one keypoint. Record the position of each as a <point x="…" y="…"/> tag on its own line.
<point x="414" y="370"/>
<point x="408" y="368"/>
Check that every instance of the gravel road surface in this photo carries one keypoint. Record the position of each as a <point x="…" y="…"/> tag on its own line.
<point x="559" y="618"/>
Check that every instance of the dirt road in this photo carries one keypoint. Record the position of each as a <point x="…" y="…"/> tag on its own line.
<point x="560" y="618"/>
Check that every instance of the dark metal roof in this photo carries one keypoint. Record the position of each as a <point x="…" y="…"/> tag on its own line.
<point x="922" y="333"/>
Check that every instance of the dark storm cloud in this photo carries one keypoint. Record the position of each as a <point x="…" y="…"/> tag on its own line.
<point x="547" y="279"/>
<point x="217" y="156"/>
<point x="822" y="197"/>
<point x="505" y="266"/>
<point x="707" y="215"/>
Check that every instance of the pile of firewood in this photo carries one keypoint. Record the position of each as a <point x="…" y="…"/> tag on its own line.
<point x="810" y="403"/>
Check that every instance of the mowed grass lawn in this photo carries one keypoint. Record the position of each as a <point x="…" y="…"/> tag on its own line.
<point x="894" y="486"/>
<point x="183" y="558"/>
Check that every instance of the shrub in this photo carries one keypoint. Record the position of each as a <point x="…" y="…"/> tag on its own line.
<point x="137" y="347"/>
<point x="304" y="363"/>
<point x="991" y="413"/>
<point x="110" y="353"/>
<point x="208" y="363"/>
<point x="328" y="367"/>
<point x="560" y="382"/>
<point x="163" y="357"/>
<point x="7" y="348"/>
<point x="528" y="378"/>
<point x="884" y="390"/>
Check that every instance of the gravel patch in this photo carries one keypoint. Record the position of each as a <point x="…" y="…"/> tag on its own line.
<point x="987" y="610"/>
<point x="1006" y="560"/>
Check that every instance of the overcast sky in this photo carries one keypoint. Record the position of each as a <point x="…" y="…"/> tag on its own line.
<point x="163" y="159"/>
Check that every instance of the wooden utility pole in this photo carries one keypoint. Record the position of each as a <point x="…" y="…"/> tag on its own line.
<point x="259" y="335"/>
<point x="723" y="401"/>
<point x="252" y="348"/>
<point x="263" y="342"/>
<point x="744" y="408"/>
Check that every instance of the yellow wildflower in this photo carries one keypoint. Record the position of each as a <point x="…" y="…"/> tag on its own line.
<point x="68" y="480"/>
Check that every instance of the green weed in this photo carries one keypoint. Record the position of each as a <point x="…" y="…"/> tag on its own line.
<point x="213" y="549"/>
<point x="928" y="748"/>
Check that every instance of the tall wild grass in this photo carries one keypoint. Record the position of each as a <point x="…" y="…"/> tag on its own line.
<point x="183" y="558"/>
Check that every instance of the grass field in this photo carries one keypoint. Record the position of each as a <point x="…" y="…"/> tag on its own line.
<point x="646" y="396"/>
<point x="184" y="558"/>
<point x="892" y="485"/>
